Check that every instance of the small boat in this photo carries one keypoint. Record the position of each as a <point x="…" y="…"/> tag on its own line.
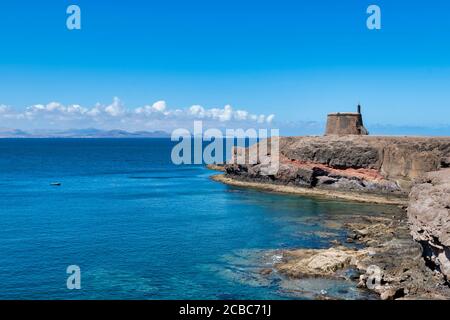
<point x="55" y="184"/>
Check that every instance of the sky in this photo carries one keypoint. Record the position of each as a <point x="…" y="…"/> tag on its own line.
<point x="151" y="65"/>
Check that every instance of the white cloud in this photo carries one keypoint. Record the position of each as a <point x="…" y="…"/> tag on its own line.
<point x="115" y="115"/>
<point x="157" y="107"/>
<point x="95" y="111"/>
<point x="241" y="115"/>
<point x="197" y="110"/>
<point x="52" y="106"/>
<point x="76" y="108"/>
<point x="270" y="118"/>
<point x="116" y="108"/>
<point x="3" y="108"/>
<point x="222" y="115"/>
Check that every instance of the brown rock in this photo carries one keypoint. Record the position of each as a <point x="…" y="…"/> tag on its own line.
<point x="429" y="217"/>
<point x="386" y="165"/>
<point x="318" y="262"/>
<point x="392" y="293"/>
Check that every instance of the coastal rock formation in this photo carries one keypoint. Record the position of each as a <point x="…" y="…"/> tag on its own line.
<point x="318" y="262"/>
<point x="216" y="167"/>
<point x="389" y="264"/>
<point x="383" y="165"/>
<point x="366" y="168"/>
<point x="429" y="217"/>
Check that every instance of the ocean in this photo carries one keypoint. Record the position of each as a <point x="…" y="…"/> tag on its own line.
<point x="140" y="227"/>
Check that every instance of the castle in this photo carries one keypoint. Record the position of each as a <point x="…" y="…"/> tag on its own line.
<point x="346" y="123"/>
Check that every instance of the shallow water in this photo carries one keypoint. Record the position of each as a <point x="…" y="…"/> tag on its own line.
<point x="142" y="228"/>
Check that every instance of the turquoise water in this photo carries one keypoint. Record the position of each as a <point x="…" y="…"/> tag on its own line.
<point x="142" y="228"/>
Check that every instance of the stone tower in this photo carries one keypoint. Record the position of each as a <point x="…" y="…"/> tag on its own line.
<point x="346" y="123"/>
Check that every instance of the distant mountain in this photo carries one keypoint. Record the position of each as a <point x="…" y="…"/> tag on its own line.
<point x="13" y="133"/>
<point x="81" y="133"/>
<point x="288" y="129"/>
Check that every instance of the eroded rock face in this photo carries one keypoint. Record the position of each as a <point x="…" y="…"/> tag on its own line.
<point x="406" y="161"/>
<point x="333" y="151"/>
<point x="429" y="217"/>
<point x="385" y="165"/>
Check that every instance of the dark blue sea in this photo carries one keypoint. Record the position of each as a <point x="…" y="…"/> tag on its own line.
<point x="140" y="227"/>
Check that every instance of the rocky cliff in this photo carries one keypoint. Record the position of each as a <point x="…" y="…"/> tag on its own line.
<point x="366" y="166"/>
<point x="382" y="165"/>
<point x="429" y="217"/>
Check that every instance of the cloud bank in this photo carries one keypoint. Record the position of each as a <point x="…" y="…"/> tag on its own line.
<point x="55" y="116"/>
<point x="156" y="116"/>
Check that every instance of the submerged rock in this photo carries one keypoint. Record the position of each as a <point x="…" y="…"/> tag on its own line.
<point x="389" y="263"/>
<point x="318" y="262"/>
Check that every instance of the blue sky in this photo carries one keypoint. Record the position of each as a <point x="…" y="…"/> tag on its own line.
<point x="297" y="60"/>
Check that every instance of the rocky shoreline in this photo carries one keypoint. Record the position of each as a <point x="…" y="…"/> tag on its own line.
<point x="386" y="247"/>
<point x="336" y="194"/>
<point x="409" y="172"/>
<point x="389" y="263"/>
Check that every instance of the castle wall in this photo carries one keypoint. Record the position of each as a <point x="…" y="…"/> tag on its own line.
<point x="344" y="124"/>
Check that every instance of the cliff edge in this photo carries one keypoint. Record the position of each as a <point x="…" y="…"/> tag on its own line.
<point x="387" y="166"/>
